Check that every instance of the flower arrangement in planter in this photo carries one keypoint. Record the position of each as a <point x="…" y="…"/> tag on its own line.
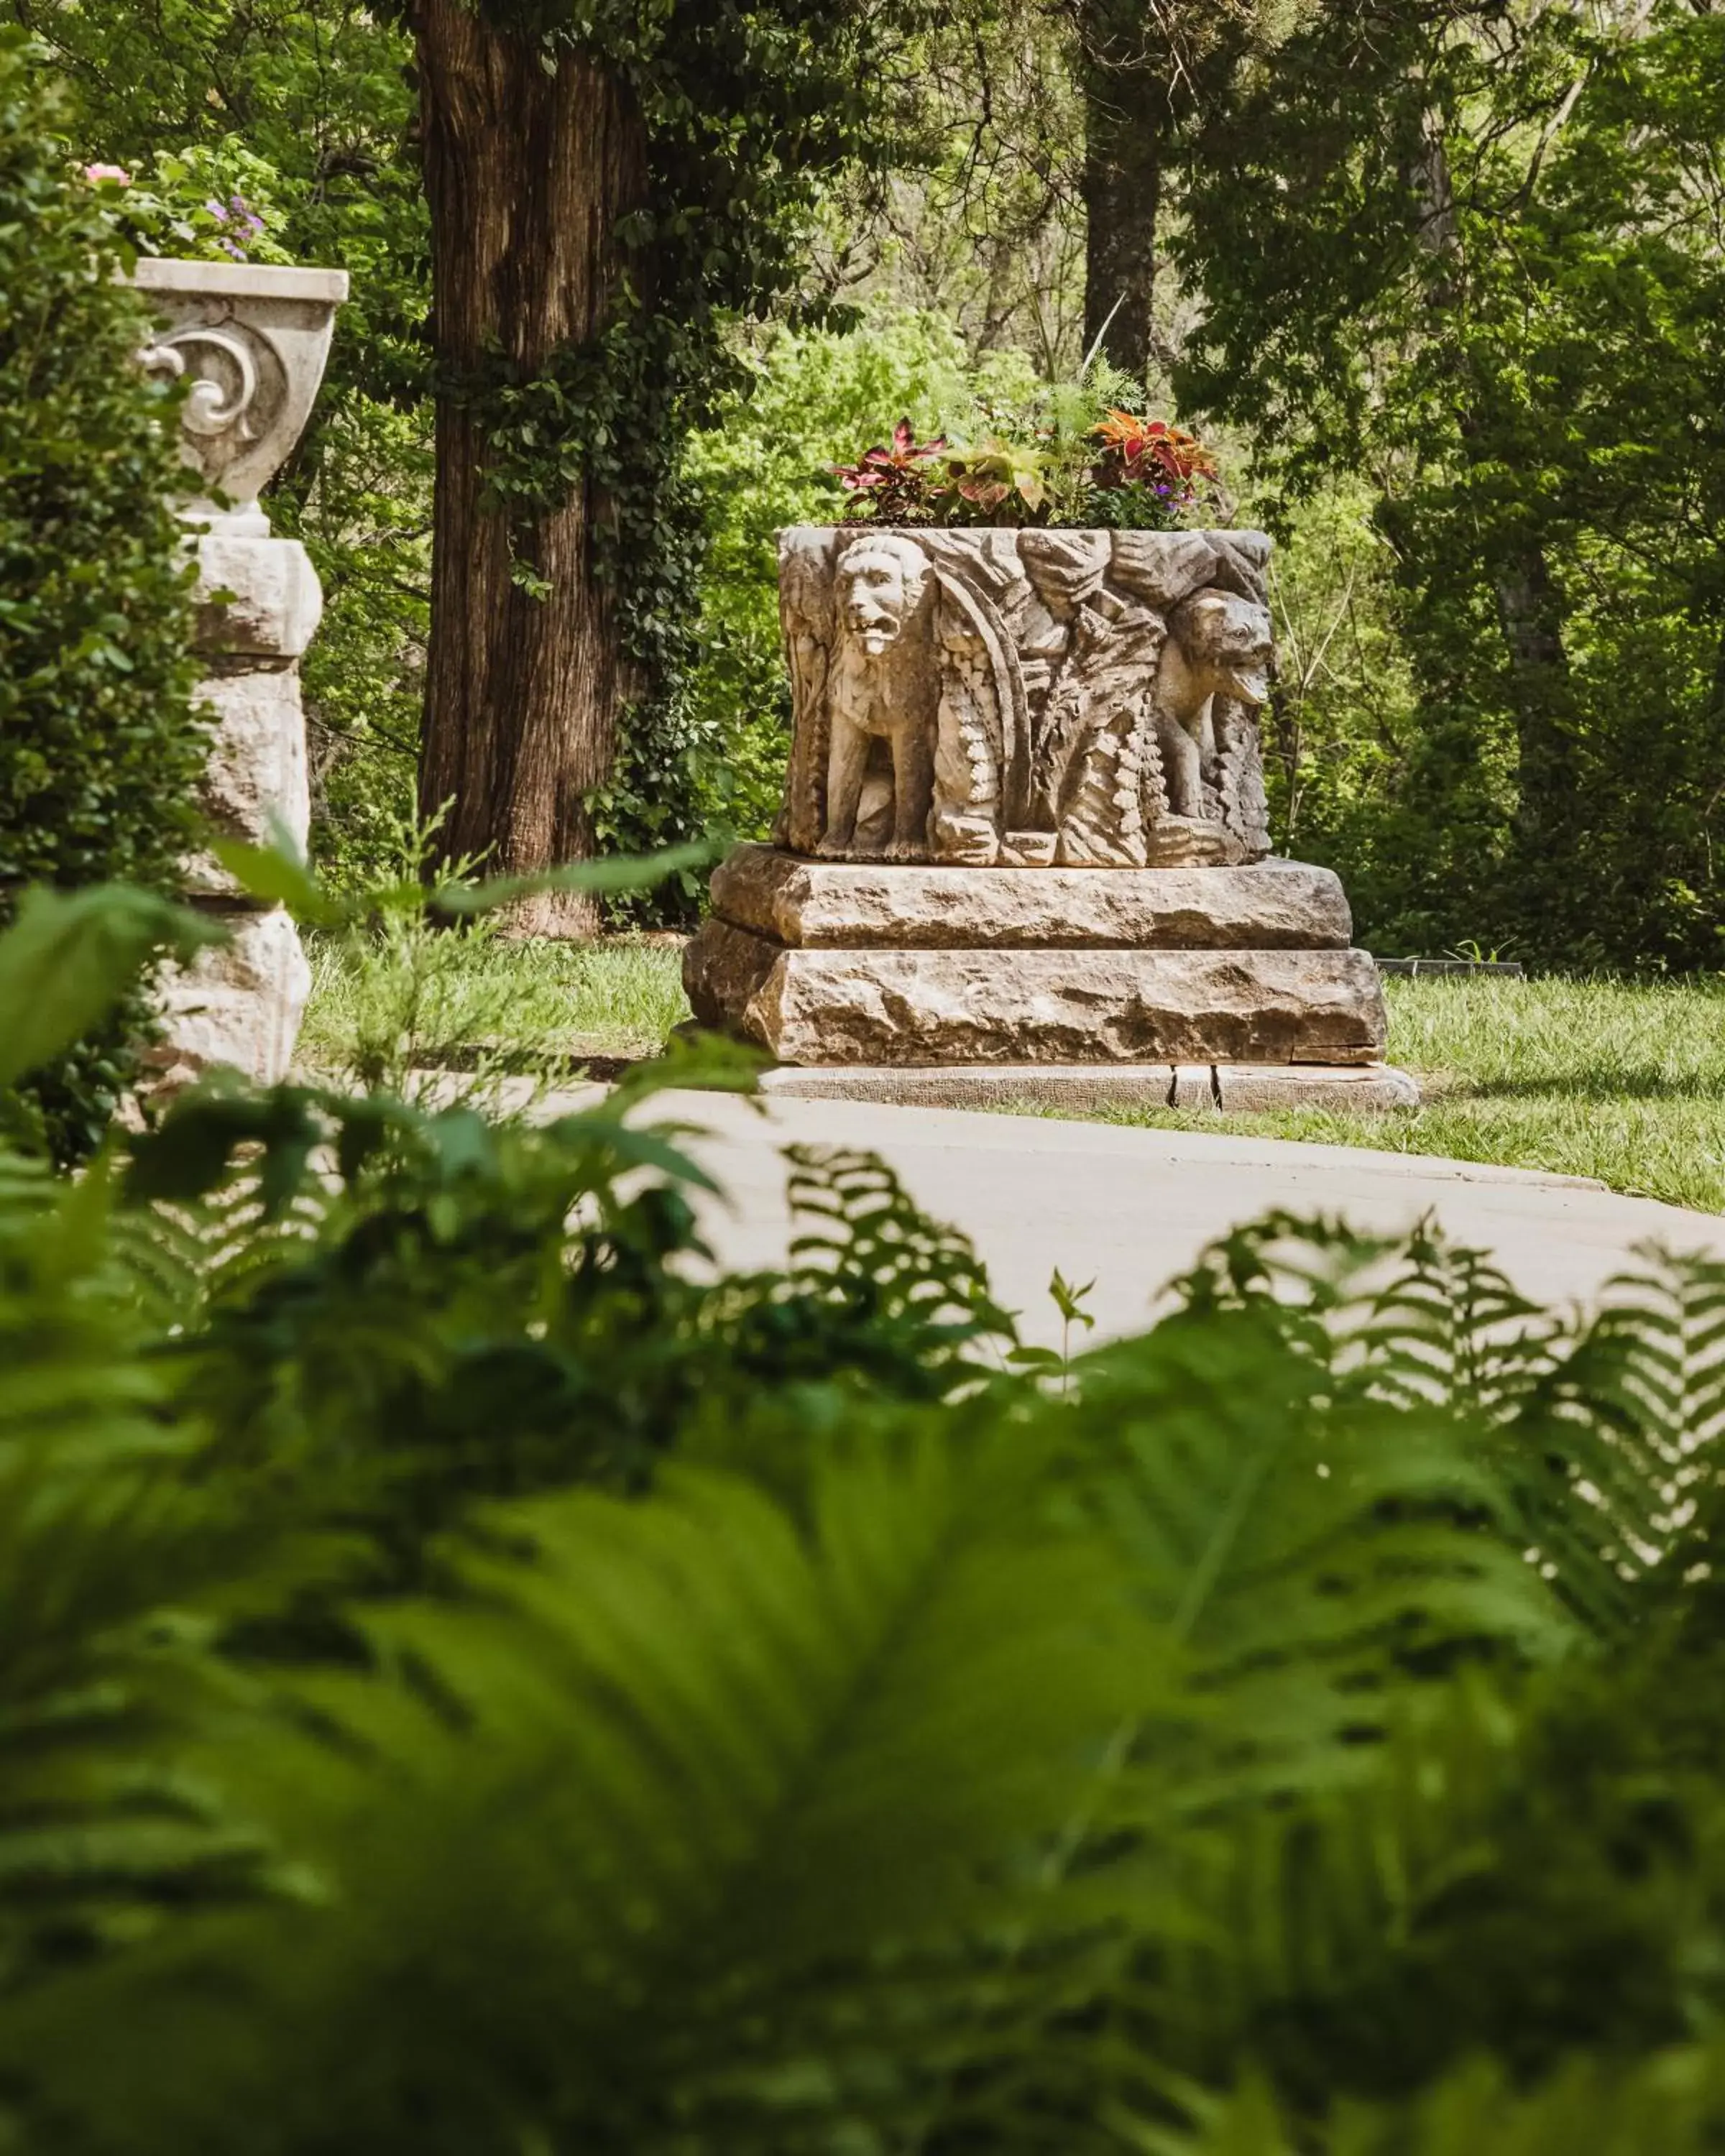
<point x="1120" y="471"/>
<point x="1039" y="646"/>
<point x="194" y="205"/>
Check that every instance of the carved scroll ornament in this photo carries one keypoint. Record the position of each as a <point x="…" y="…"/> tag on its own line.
<point x="236" y="390"/>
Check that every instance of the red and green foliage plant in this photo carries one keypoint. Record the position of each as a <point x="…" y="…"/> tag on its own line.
<point x="1030" y="469"/>
<point x="1137" y="452"/>
<point x="890" y="483"/>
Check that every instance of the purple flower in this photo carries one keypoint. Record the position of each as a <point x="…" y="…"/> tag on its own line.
<point x="216" y="210"/>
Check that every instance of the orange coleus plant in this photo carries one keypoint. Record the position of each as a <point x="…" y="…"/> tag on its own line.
<point x="1150" y="453"/>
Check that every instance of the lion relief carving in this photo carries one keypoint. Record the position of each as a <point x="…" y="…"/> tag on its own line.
<point x="947" y="707"/>
<point x="884" y="691"/>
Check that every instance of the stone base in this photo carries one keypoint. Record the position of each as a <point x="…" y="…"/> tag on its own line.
<point x="807" y="904"/>
<point x="1036" y="1006"/>
<point x="841" y="963"/>
<point x="1079" y="1089"/>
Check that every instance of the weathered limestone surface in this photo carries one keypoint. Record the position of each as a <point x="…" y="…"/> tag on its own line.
<point x="256" y="776"/>
<point x="239" y="1003"/>
<point x="1061" y="1006"/>
<point x="1026" y="698"/>
<point x="1077" y="1088"/>
<point x="1086" y="1088"/>
<point x="252" y="341"/>
<point x="1246" y="1090"/>
<point x="272" y="601"/>
<point x="1274" y="906"/>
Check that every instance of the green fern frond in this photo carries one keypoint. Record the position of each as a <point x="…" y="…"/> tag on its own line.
<point x="1631" y="1417"/>
<point x="694" y="1830"/>
<point x="1317" y="1554"/>
<point x="873" y="1247"/>
<point x="1449" y="1331"/>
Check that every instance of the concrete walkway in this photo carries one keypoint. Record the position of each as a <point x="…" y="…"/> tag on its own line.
<point x="1131" y="1208"/>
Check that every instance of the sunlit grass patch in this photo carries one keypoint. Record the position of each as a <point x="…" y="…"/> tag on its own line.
<point x="1623" y="1081"/>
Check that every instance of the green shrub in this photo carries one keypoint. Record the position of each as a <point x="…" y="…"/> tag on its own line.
<point x="99" y="747"/>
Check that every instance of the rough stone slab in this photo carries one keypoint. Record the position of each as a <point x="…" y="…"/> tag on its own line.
<point x="1090" y="1088"/>
<point x="276" y="601"/>
<point x="1367" y="1089"/>
<point x="1063" y="1006"/>
<point x="1194" y="1087"/>
<point x="842" y="905"/>
<point x="238" y="1004"/>
<point x="256" y="776"/>
<point x="234" y="280"/>
<point x="1076" y="1089"/>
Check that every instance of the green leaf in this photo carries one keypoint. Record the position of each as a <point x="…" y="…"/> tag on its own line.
<point x="628" y="873"/>
<point x="71" y="956"/>
<point x="278" y="876"/>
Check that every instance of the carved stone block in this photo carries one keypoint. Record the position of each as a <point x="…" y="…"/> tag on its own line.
<point x="1023" y="841"/>
<point x="256" y="776"/>
<point x="1273" y="906"/>
<point x="252" y="339"/>
<point x="273" y="603"/>
<point x="1026" y="698"/>
<point x="1036" y="1006"/>
<point x="238" y="1004"/>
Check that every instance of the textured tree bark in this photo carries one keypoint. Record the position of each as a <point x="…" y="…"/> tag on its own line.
<point x="527" y="172"/>
<point x="1125" y="118"/>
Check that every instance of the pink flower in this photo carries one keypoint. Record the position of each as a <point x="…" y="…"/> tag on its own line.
<point x="95" y="174"/>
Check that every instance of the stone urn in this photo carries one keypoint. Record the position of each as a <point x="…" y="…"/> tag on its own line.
<point x="1025" y="833"/>
<point x="251" y="340"/>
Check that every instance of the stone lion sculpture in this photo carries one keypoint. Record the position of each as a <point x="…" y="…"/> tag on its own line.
<point x="881" y="698"/>
<point x="1219" y="646"/>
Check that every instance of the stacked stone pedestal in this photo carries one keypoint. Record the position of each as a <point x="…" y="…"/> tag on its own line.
<point x="240" y="1004"/>
<point x="1062" y="987"/>
<point x="250" y="341"/>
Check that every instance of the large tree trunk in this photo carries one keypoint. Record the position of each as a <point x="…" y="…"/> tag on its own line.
<point x="527" y="173"/>
<point x="1125" y="119"/>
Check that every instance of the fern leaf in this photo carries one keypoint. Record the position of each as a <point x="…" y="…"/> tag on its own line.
<point x="748" y="1822"/>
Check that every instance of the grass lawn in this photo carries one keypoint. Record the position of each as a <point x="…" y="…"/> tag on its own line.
<point x="420" y="997"/>
<point x="1626" y="1083"/>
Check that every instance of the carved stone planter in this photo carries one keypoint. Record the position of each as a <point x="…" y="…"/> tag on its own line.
<point x="1025" y="825"/>
<point x="254" y="340"/>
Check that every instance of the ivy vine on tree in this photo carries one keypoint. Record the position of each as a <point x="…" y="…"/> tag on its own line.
<point x="610" y="182"/>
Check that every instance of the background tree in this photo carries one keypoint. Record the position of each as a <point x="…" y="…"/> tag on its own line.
<point x="1143" y="68"/>
<point x="606" y="187"/>
<point x="1472" y="255"/>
